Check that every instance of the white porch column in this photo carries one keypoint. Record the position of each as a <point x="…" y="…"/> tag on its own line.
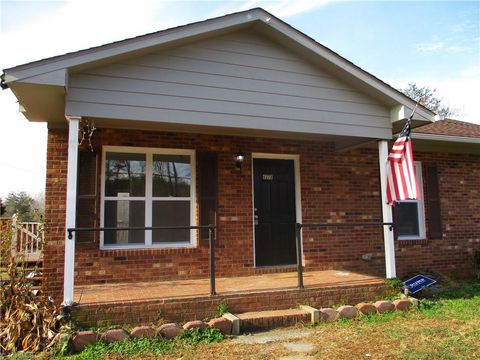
<point x="69" y="266"/>
<point x="386" y="211"/>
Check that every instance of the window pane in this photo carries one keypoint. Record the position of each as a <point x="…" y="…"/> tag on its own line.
<point x="406" y="219"/>
<point x="171" y="175"/>
<point x="124" y="213"/>
<point x="171" y="213"/>
<point x="125" y="174"/>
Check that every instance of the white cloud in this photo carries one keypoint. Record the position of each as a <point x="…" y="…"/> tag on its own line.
<point x="439" y="46"/>
<point x="77" y="25"/>
<point x="473" y="71"/>
<point x="282" y="9"/>
<point x="23" y="150"/>
<point x="462" y="95"/>
<point x="428" y="47"/>
<point x="285" y="9"/>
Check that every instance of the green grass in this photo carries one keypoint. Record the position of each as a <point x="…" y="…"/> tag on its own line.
<point x="127" y="348"/>
<point x="137" y="348"/>
<point x="444" y="327"/>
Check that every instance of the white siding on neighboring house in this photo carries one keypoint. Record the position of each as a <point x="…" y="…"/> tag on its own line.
<point x="239" y="80"/>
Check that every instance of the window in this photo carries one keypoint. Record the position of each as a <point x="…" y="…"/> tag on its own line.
<point x="147" y="187"/>
<point x="410" y="214"/>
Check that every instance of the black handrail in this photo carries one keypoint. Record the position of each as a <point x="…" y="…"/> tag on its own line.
<point x="70" y="230"/>
<point x="298" y="230"/>
<point x="211" y="241"/>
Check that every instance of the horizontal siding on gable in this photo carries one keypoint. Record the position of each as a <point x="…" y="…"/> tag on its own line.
<point x="238" y="76"/>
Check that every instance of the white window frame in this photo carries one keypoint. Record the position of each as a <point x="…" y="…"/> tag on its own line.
<point x="148" y="198"/>
<point x="420" y="205"/>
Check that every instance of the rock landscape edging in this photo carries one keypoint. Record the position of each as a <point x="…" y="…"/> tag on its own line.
<point x="228" y="323"/>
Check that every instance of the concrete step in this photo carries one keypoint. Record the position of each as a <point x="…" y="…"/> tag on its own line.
<point x="262" y="320"/>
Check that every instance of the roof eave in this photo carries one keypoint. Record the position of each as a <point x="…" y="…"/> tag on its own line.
<point x="448" y="138"/>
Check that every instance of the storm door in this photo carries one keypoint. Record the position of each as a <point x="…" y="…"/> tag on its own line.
<point x="274" y="212"/>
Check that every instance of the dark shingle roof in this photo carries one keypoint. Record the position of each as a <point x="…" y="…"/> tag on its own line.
<point x="450" y="127"/>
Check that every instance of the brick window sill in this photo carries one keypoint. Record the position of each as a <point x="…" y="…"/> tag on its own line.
<point x="405" y="242"/>
<point x="148" y="251"/>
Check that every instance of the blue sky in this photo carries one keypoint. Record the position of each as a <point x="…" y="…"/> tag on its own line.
<point x="433" y="43"/>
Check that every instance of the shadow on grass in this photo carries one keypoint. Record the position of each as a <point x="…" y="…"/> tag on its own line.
<point x="464" y="290"/>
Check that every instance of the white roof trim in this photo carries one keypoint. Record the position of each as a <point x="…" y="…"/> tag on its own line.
<point x="23" y="72"/>
<point x="450" y="138"/>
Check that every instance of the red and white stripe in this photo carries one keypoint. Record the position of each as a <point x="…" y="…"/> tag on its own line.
<point x="401" y="178"/>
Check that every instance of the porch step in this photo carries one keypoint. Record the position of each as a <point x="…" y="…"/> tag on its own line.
<point x="262" y="320"/>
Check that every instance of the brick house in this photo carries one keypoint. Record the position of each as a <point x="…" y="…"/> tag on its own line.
<point x="248" y="124"/>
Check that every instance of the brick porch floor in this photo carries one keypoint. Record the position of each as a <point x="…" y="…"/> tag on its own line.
<point x="122" y="292"/>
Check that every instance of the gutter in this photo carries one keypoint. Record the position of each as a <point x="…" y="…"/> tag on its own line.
<point x="435" y="137"/>
<point x="3" y="84"/>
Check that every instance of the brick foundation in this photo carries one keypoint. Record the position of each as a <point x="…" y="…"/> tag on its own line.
<point x="186" y="309"/>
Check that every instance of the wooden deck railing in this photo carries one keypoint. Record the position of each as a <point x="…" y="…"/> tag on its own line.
<point x="27" y="240"/>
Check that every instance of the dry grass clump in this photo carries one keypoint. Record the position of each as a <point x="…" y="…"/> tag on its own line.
<point x="29" y="320"/>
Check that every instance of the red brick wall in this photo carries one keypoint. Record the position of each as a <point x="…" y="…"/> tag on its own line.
<point x="459" y="186"/>
<point x="55" y="202"/>
<point x="335" y="187"/>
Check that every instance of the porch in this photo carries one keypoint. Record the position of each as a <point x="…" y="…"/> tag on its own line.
<point x="184" y="300"/>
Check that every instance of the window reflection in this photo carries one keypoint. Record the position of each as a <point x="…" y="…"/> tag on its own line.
<point x="125" y="174"/>
<point x="171" y="175"/>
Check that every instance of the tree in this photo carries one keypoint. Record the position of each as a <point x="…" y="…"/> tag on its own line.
<point x="2" y="208"/>
<point x="23" y="205"/>
<point x="426" y="97"/>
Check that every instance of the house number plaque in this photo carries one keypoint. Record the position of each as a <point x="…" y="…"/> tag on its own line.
<point x="267" y="177"/>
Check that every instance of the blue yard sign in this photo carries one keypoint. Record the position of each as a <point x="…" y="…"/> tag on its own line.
<point x="417" y="283"/>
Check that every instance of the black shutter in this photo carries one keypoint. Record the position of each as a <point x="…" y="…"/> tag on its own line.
<point x="87" y="204"/>
<point x="433" y="202"/>
<point x="208" y="189"/>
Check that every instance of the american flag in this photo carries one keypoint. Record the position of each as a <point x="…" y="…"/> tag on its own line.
<point x="401" y="179"/>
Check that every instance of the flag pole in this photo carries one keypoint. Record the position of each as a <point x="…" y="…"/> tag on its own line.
<point x="413" y="112"/>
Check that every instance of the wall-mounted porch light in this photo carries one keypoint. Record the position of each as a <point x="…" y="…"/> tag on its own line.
<point x="239" y="159"/>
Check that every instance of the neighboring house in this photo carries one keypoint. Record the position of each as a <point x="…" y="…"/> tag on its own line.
<point x="173" y="109"/>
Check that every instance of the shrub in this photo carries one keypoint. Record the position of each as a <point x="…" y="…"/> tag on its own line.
<point x="197" y="336"/>
<point x="476" y="265"/>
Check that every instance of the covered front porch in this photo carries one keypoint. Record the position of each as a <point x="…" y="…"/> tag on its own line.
<point x="330" y="233"/>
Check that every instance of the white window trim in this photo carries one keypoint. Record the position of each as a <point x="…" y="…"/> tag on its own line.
<point x="148" y="198"/>
<point x="421" y="207"/>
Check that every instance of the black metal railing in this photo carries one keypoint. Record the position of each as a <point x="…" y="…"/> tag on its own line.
<point x="211" y="240"/>
<point x="298" y="231"/>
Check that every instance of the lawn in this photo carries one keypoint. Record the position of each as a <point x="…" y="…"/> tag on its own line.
<point x="447" y="327"/>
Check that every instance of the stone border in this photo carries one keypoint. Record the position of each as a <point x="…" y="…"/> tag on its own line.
<point x="166" y="331"/>
<point x="229" y="324"/>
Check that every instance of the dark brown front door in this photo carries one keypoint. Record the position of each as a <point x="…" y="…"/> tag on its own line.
<point x="274" y="208"/>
